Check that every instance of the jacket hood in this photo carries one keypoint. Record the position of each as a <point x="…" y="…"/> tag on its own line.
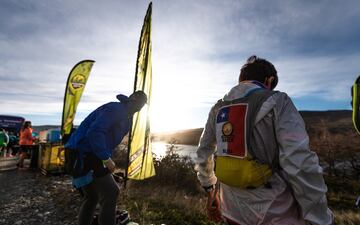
<point x="239" y="91"/>
<point x="122" y="98"/>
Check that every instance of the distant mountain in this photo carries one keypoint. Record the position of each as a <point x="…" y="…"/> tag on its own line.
<point x="335" y="122"/>
<point x="44" y="127"/>
<point x="187" y="137"/>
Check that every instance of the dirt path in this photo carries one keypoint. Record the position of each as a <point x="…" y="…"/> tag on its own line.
<point x="28" y="197"/>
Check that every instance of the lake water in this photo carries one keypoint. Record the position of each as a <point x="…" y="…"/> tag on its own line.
<point x="160" y="148"/>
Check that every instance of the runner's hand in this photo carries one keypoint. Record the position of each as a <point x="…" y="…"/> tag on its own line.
<point x="213" y="207"/>
<point x="110" y="165"/>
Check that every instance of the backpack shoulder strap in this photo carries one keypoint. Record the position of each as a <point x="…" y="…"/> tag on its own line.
<point x="256" y="101"/>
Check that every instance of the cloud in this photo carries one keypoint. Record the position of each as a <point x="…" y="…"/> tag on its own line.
<point x="198" y="49"/>
<point x="329" y="78"/>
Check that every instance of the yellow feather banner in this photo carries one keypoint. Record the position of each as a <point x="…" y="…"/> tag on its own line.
<point x="74" y="88"/>
<point x="355" y="94"/>
<point x="141" y="164"/>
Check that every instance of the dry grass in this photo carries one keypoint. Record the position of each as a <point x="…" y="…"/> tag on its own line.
<point x="163" y="205"/>
<point x="174" y="196"/>
<point x="347" y="217"/>
<point x="342" y="195"/>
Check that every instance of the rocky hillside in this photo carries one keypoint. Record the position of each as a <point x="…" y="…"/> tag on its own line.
<point x="318" y="124"/>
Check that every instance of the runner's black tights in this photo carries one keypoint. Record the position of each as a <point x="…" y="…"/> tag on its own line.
<point x="105" y="191"/>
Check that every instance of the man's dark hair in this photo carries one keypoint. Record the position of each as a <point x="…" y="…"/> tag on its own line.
<point x="140" y="95"/>
<point x="258" y="69"/>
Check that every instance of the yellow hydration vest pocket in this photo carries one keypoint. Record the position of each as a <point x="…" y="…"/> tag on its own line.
<point x="242" y="173"/>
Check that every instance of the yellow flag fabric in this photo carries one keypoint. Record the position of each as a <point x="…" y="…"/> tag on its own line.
<point x="141" y="164"/>
<point x="74" y="88"/>
<point x="355" y="94"/>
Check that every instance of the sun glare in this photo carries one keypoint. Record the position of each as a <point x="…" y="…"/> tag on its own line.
<point x="166" y="117"/>
<point x="176" y="98"/>
<point x="169" y="110"/>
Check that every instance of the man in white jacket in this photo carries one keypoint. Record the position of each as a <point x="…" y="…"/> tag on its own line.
<point x="265" y="171"/>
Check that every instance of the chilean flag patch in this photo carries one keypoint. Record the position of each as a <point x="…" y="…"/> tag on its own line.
<point x="231" y="130"/>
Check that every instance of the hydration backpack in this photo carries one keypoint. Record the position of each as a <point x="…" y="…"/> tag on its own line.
<point x="235" y="161"/>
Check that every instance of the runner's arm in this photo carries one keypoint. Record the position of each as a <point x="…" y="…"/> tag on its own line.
<point x="205" y="153"/>
<point x="300" y="164"/>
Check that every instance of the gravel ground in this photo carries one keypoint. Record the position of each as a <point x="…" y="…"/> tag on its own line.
<point x="28" y="197"/>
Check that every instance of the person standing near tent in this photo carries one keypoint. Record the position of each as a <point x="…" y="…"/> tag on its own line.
<point x="13" y="140"/>
<point x="4" y="141"/>
<point x="93" y="141"/>
<point x="265" y="172"/>
<point x="25" y="142"/>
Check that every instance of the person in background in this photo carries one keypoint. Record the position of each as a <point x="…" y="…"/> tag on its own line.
<point x="93" y="141"/>
<point x="4" y="141"/>
<point x="25" y="142"/>
<point x="13" y="141"/>
<point x="265" y="172"/>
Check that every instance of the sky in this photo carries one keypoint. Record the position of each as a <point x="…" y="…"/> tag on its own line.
<point x="198" y="48"/>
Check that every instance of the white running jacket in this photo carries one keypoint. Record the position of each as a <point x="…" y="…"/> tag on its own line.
<point x="297" y="196"/>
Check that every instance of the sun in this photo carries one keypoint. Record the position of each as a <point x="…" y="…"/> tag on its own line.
<point x="169" y="110"/>
<point x="166" y="117"/>
<point x="175" y="101"/>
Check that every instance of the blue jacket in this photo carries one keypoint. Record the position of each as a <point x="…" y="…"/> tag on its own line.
<point x="102" y="130"/>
